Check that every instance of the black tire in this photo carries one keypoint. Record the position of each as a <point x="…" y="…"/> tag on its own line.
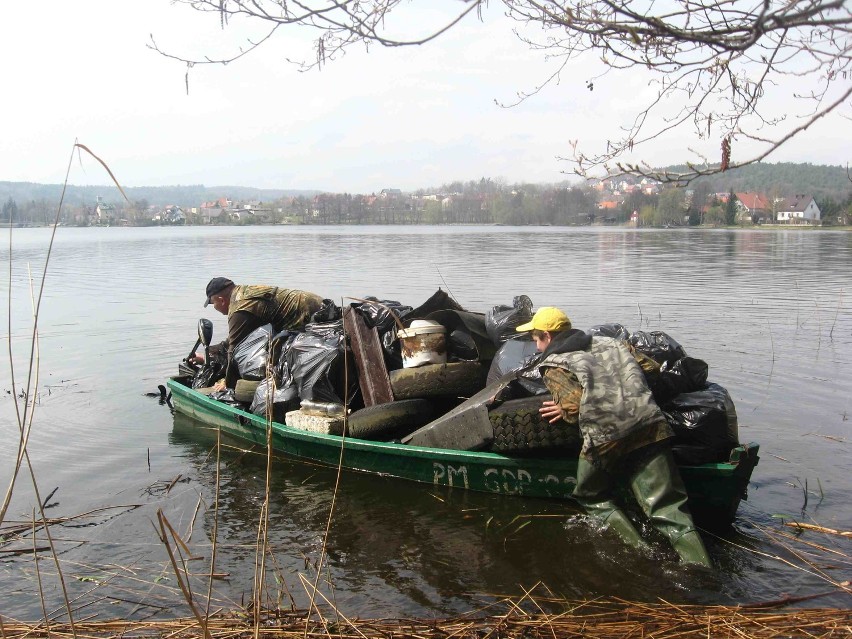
<point x="244" y="390"/>
<point x="519" y="427"/>
<point x="386" y="421"/>
<point x="459" y="379"/>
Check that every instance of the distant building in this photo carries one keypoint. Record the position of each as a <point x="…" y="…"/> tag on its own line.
<point x="799" y="209"/>
<point x="753" y="207"/>
<point x="212" y="215"/>
<point x="104" y="212"/>
<point x="171" y="214"/>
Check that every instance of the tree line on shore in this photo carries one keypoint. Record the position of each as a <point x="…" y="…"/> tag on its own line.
<point x="484" y="201"/>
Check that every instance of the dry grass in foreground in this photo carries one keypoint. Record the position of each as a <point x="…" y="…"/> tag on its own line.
<point x="611" y="618"/>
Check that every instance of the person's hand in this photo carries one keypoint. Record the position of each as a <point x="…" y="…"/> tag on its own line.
<point x="550" y="411"/>
<point x="197" y="359"/>
<point x="219" y="386"/>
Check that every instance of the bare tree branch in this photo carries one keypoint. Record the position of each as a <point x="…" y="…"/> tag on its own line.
<point x="719" y="60"/>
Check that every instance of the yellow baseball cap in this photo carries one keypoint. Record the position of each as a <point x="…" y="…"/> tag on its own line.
<point x="547" y="318"/>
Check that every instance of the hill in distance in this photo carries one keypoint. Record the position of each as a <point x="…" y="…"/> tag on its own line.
<point x="784" y="178"/>
<point x="781" y="179"/>
<point x="181" y="195"/>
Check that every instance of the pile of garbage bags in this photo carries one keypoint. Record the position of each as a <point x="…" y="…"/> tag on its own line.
<point x="316" y="365"/>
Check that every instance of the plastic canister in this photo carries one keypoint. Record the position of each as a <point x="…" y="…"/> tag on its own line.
<point x="323" y="409"/>
<point x="423" y="342"/>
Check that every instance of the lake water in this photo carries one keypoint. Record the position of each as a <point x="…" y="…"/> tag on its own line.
<point x="769" y="311"/>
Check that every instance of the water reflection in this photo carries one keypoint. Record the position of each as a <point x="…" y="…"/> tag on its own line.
<point x="414" y="547"/>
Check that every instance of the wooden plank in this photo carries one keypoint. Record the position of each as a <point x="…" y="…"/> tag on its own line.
<point x="369" y="359"/>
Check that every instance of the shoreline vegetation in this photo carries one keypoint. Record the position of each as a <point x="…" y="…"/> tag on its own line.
<point x="760" y="195"/>
<point x="626" y="226"/>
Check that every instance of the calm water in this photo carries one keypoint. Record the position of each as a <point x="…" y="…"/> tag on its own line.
<point x="769" y="311"/>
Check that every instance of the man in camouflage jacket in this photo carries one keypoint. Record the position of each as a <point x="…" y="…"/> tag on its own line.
<point x="249" y="307"/>
<point x="597" y="383"/>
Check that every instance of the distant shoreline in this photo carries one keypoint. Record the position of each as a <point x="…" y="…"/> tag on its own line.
<point x="751" y="227"/>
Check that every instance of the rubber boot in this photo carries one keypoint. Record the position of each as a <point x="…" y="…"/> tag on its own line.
<point x="594" y="486"/>
<point x="659" y="489"/>
<point x="611" y="515"/>
<point x="691" y="549"/>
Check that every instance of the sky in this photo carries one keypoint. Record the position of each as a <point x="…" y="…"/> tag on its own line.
<point x="389" y="118"/>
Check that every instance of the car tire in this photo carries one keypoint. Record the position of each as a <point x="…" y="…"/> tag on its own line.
<point x="460" y="379"/>
<point x="390" y="420"/>
<point x="519" y="427"/>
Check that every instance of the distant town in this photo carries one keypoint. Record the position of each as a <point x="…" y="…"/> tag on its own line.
<point x="621" y="201"/>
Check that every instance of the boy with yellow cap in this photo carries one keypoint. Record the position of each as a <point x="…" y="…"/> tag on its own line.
<point x="597" y="383"/>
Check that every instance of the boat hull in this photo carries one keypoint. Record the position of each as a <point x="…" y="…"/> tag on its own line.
<point x="715" y="490"/>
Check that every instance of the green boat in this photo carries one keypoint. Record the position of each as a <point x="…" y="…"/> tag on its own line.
<point x="715" y="490"/>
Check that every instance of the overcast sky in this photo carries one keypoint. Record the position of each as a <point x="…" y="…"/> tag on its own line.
<point x="401" y="118"/>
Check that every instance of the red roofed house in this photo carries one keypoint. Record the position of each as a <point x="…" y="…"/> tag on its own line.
<point x="753" y="207"/>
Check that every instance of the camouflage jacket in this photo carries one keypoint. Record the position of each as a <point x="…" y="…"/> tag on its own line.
<point x="616" y="411"/>
<point x="254" y="306"/>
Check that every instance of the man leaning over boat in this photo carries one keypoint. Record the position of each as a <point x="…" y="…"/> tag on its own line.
<point x="250" y="306"/>
<point x="597" y="383"/>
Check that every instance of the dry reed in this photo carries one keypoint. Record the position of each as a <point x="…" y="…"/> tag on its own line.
<point x="603" y="619"/>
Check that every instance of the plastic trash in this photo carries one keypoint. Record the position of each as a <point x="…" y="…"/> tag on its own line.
<point x="212" y="371"/>
<point x="658" y="345"/>
<point x="501" y="321"/>
<point x="323" y="409"/>
<point x="328" y="312"/>
<point x="252" y="353"/>
<point x="382" y="314"/>
<point x="315" y="364"/>
<point x="283" y="400"/>
<point x="705" y="425"/>
<point x="686" y="375"/>
<point x="514" y="355"/>
<point x="614" y="330"/>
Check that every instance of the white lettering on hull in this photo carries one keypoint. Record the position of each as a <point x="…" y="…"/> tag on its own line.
<point x="446" y="475"/>
<point x="504" y="481"/>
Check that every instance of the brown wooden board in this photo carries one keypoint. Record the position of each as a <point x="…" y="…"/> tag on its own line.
<point x="369" y="359"/>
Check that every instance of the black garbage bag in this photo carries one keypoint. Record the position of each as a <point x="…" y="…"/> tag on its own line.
<point x="316" y="364"/>
<point x="686" y="375"/>
<point x="281" y="343"/>
<point x="462" y="346"/>
<point x="514" y="355"/>
<point x="225" y="396"/>
<point x="392" y="350"/>
<point x="283" y="400"/>
<point x="252" y="353"/>
<point x="657" y="345"/>
<point x="614" y="330"/>
<point x="501" y="321"/>
<point x="705" y="425"/>
<point x="328" y="312"/>
<point x="467" y="336"/>
<point x="382" y="314"/>
<point x="212" y="371"/>
<point x="438" y="301"/>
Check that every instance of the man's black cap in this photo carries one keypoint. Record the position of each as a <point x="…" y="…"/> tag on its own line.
<point x="216" y="285"/>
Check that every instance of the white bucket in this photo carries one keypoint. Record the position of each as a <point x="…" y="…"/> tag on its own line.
<point x="424" y="342"/>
